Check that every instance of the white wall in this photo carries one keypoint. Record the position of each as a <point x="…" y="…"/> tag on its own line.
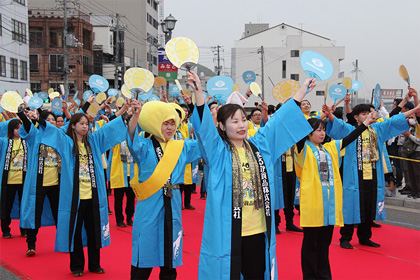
<point x="12" y="48"/>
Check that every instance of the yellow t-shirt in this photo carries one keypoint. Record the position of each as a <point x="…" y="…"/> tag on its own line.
<point x="253" y="221"/>
<point x="50" y="168"/>
<point x="85" y="186"/>
<point x="16" y="163"/>
<point x="366" y="155"/>
<point x="289" y="160"/>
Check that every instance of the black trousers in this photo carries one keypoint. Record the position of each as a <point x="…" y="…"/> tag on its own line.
<point x="140" y="273"/>
<point x="289" y="186"/>
<point x="53" y="193"/>
<point x="187" y="189"/>
<point x="77" y="257"/>
<point x="118" y="203"/>
<point x="364" y="229"/>
<point x="10" y="198"/>
<point x="315" y="252"/>
<point x="253" y="256"/>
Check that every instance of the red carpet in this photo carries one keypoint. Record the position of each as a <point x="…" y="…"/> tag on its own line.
<point x="397" y="258"/>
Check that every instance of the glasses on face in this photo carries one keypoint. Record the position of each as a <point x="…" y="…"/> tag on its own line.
<point x="256" y="115"/>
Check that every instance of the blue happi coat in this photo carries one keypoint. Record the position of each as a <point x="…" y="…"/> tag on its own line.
<point x="272" y="140"/>
<point x="100" y="141"/>
<point x="148" y="226"/>
<point x="351" y="200"/>
<point x="29" y="195"/>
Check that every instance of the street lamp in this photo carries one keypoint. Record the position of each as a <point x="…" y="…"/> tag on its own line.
<point x="168" y="25"/>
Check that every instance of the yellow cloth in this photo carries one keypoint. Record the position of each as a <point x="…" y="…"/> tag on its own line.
<point x="85" y="186"/>
<point x="178" y="108"/>
<point x="16" y="163"/>
<point x="153" y="114"/>
<point x="51" y="168"/>
<point x="311" y="199"/>
<point x="162" y="172"/>
<point x="253" y="221"/>
<point x="366" y="156"/>
<point x="251" y="129"/>
<point x="289" y="160"/>
<point x="117" y="168"/>
<point x="183" y="128"/>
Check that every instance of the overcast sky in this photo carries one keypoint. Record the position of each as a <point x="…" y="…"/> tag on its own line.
<point x="382" y="35"/>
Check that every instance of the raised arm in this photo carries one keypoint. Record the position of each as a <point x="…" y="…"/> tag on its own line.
<point x="136" y="107"/>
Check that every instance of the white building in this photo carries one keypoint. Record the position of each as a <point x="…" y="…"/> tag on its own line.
<point x="282" y="45"/>
<point x="14" y="46"/>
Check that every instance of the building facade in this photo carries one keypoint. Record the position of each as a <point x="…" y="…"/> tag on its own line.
<point x="137" y="18"/>
<point x="14" y="46"/>
<point x="282" y="46"/>
<point x="47" y="50"/>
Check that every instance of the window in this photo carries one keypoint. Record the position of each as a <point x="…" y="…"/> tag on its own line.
<point x="294" y="77"/>
<point x="320" y="93"/>
<point x="294" y="53"/>
<point x="35" y="37"/>
<point x="56" y="38"/>
<point x="2" y="66"/>
<point x="23" y="70"/>
<point x="152" y="21"/>
<point x="87" y="65"/>
<point x="36" y="87"/>
<point x="33" y="63"/>
<point x="14" y="68"/>
<point x="56" y="63"/>
<point x="154" y="60"/>
<point x="19" y="31"/>
<point x="20" y="2"/>
<point x="87" y="40"/>
<point x="283" y="70"/>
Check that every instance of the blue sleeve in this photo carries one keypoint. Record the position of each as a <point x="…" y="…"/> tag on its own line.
<point x="138" y="147"/>
<point x="110" y="135"/>
<point x="285" y="128"/>
<point x="391" y="127"/>
<point x="3" y="128"/>
<point x="339" y="129"/>
<point x="55" y="138"/>
<point x="211" y="144"/>
<point x="29" y="137"/>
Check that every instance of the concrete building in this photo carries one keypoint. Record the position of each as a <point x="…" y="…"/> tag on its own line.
<point x="14" y="46"/>
<point x="139" y="19"/>
<point x="282" y="44"/>
<point x="47" y="52"/>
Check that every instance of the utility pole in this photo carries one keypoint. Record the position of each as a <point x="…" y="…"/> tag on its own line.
<point x="65" y="49"/>
<point x="117" y="52"/>
<point x="261" y="51"/>
<point x="217" y="58"/>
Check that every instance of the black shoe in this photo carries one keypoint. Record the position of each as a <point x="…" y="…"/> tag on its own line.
<point x="77" y="274"/>
<point x="369" y="243"/>
<point x="376" y="225"/>
<point x="99" y="270"/>
<point x="129" y="222"/>
<point x="277" y="231"/>
<point x="406" y="192"/>
<point x="110" y="212"/>
<point x="346" y="244"/>
<point x="7" y="235"/>
<point x="294" y="228"/>
<point x="190" y="207"/>
<point x="30" y="252"/>
<point x="121" y="224"/>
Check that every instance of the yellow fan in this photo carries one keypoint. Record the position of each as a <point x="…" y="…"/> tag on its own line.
<point x="347" y="83"/>
<point x="126" y="92"/>
<point x="139" y="78"/>
<point x="50" y="90"/>
<point x="326" y="93"/>
<point x="93" y="109"/>
<point x="120" y="102"/>
<point x="53" y="95"/>
<point x="404" y="74"/>
<point x="256" y="90"/>
<point x="160" y="82"/>
<point x="285" y="90"/>
<point x="187" y="92"/>
<point x="29" y="92"/>
<point x="235" y="88"/>
<point x="11" y="101"/>
<point x="101" y="97"/>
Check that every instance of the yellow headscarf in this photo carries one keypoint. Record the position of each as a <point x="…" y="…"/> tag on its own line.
<point x="178" y="108"/>
<point x="153" y="114"/>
